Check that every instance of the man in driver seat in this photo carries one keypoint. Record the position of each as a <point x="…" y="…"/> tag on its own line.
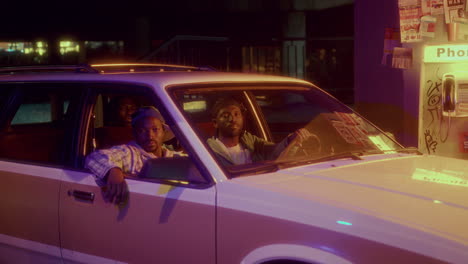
<point x="233" y="145"/>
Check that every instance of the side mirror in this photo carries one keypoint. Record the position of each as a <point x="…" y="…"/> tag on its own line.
<point x="172" y="169"/>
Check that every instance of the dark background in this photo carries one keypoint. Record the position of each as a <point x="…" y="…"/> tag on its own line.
<point x="226" y="31"/>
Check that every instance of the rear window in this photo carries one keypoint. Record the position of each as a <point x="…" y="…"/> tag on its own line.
<point x="39" y="122"/>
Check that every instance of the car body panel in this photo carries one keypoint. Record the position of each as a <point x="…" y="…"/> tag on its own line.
<point x="29" y="206"/>
<point x="398" y="211"/>
<point x="241" y="234"/>
<point x="157" y="219"/>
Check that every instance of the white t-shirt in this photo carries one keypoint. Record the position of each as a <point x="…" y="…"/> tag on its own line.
<point x="238" y="153"/>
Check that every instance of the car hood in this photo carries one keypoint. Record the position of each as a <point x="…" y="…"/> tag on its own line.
<point x="440" y="181"/>
<point x="418" y="198"/>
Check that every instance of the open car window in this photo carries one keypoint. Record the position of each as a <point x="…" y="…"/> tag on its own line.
<point x="272" y="113"/>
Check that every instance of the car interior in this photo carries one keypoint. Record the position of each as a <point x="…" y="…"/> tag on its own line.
<point x="108" y="127"/>
<point x="37" y="130"/>
<point x="198" y="105"/>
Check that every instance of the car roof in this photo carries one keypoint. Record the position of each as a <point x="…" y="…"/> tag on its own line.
<point x="156" y="79"/>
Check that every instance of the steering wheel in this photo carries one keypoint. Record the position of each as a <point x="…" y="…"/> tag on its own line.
<point x="311" y="146"/>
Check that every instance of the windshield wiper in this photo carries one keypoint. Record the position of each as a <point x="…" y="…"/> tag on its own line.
<point x="272" y="166"/>
<point x="355" y="155"/>
<point x="410" y="150"/>
<point x="253" y="168"/>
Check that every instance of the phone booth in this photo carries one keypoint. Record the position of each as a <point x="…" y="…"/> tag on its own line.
<point x="443" y="113"/>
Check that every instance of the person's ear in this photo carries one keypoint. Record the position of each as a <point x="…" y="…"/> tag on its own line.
<point x="215" y="124"/>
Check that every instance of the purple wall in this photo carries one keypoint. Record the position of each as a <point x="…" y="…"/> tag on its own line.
<point x="380" y="93"/>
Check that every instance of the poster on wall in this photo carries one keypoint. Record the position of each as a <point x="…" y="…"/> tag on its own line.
<point x="410" y="20"/>
<point x="454" y="9"/>
<point x="402" y="58"/>
<point x="392" y="40"/>
<point x="437" y="7"/>
<point x="462" y="28"/>
<point x="426" y="7"/>
<point x="427" y="28"/>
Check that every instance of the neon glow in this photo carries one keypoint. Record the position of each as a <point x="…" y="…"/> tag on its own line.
<point x="442" y="177"/>
<point x="195" y="106"/>
<point x="180" y="182"/>
<point x="344" y="223"/>
<point x="68" y="46"/>
<point x="446" y="53"/>
<point x="380" y="143"/>
<point x="140" y="64"/>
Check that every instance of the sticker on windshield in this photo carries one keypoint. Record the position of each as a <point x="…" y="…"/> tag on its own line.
<point x="361" y="136"/>
<point x="347" y="118"/>
<point x="344" y="132"/>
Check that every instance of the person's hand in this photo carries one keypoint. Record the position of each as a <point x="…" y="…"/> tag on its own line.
<point x="117" y="189"/>
<point x="299" y="136"/>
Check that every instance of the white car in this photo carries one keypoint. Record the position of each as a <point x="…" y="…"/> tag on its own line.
<point x="350" y="195"/>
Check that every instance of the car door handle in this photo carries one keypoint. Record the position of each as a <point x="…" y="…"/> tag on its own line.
<point x="85" y="196"/>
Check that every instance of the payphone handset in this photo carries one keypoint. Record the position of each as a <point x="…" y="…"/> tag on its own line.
<point x="448" y="95"/>
<point x="455" y="94"/>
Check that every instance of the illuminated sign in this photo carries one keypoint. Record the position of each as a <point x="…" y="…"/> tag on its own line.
<point x="442" y="177"/>
<point x="69" y="46"/>
<point x="446" y="53"/>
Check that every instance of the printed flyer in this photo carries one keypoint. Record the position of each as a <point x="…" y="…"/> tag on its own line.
<point x="410" y="20"/>
<point x="391" y="40"/>
<point x="402" y="58"/>
<point x="426" y="7"/>
<point x="437" y="7"/>
<point x="454" y="9"/>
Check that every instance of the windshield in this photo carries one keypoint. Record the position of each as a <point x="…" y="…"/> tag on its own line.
<point x="255" y="129"/>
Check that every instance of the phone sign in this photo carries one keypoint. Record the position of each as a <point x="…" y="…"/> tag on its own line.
<point x="446" y="53"/>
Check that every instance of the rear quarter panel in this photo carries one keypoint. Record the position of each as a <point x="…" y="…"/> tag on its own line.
<point x="29" y="213"/>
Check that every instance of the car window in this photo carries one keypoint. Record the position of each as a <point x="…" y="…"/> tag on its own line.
<point x="6" y="94"/>
<point x="36" y="128"/>
<point x="198" y="107"/>
<point x="274" y="117"/>
<point x="112" y="118"/>
<point x="286" y="111"/>
<point x="39" y="110"/>
<point x="110" y="128"/>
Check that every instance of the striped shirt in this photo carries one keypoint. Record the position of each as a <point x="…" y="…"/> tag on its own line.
<point x="128" y="157"/>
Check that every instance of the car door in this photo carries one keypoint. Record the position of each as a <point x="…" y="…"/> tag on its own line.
<point x="33" y="139"/>
<point x="164" y="221"/>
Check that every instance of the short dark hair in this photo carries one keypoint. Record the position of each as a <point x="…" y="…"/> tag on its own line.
<point x="223" y="102"/>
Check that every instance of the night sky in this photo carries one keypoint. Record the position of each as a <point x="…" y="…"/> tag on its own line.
<point x="101" y="20"/>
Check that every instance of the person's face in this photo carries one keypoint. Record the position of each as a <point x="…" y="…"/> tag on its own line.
<point x="126" y="108"/>
<point x="149" y="133"/>
<point x="229" y="121"/>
